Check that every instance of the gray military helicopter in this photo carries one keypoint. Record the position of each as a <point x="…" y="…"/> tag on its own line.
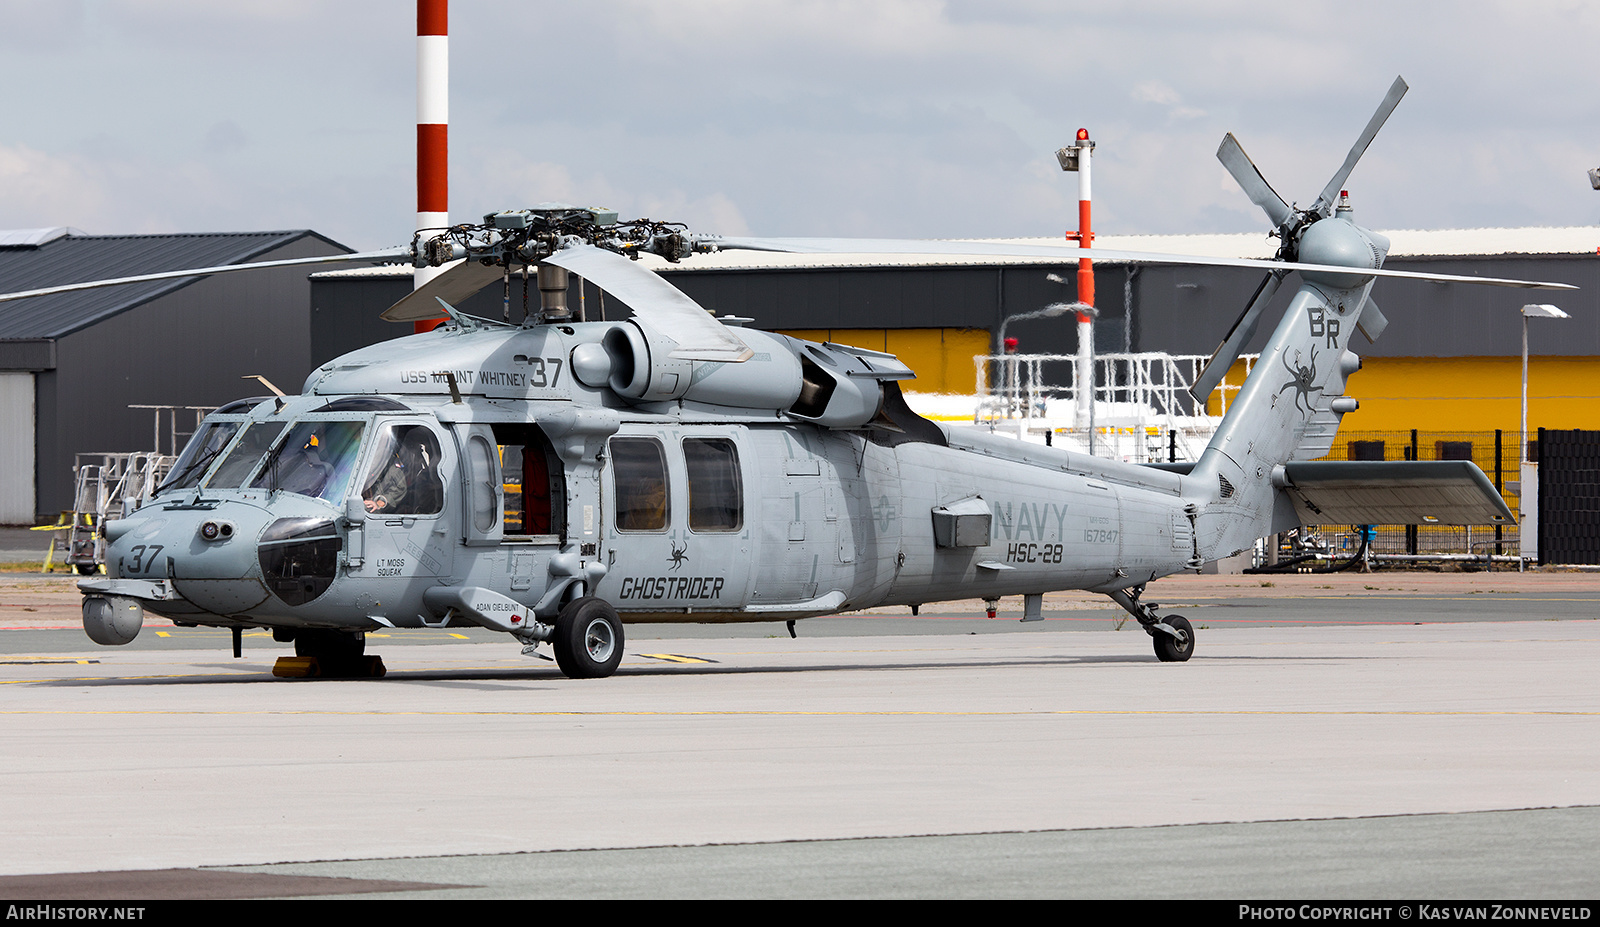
<point x="559" y="478"/>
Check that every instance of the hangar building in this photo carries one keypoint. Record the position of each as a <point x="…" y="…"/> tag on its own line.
<point x="71" y="364"/>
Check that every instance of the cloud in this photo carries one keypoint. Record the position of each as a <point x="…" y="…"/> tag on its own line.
<point x="1154" y="91"/>
<point x="823" y="117"/>
<point x="39" y="190"/>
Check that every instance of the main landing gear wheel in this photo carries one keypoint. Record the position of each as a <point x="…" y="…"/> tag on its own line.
<point x="329" y="645"/>
<point x="1171" y="649"/>
<point x="588" y="639"/>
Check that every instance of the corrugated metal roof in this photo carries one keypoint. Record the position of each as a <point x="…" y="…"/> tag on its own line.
<point x="32" y="238"/>
<point x="1405" y="243"/>
<point x="79" y="258"/>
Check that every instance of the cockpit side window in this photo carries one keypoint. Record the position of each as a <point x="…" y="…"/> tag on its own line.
<point x="402" y="475"/>
<point x="639" y="473"/>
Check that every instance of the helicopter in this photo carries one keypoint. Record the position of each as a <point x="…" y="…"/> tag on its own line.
<point x="560" y="478"/>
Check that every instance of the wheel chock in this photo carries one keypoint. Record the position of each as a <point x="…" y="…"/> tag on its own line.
<point x="363" y="667"/>
<point x="296" y="667"/>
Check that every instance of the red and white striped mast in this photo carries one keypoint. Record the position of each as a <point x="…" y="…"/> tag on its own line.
<point x="433" y="125"/>
<point x="1076" y="157"/>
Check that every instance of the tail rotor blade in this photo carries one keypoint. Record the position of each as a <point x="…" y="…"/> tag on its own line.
<point x="1244" y="327"/>
<point x="1324" y="204"/>
<point x="1232" y="156"/>
<point x="1371" y="321"/>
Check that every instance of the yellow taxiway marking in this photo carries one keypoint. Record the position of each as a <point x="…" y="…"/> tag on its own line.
<point x="26" y="662"/>
<point x="674" y="658"/>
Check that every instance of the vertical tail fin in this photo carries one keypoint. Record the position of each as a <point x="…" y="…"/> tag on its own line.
<point x="1289" y="408"/>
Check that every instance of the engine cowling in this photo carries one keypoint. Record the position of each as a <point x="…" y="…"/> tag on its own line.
<point x="833" y="385"/>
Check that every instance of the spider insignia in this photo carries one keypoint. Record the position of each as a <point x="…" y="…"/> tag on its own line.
<point x="1300" y="380"/>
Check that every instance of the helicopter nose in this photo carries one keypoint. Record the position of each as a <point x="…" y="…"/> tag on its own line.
<point x="299" y="557"/>
<point x="209" y="554"/>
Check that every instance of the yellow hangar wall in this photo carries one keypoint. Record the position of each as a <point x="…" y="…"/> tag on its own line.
<point x="1467" y="393"/>
<point x="941" y="357"/>
<point x="1474" y="393"/>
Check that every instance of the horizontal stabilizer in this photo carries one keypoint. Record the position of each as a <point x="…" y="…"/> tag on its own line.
<point x="1392" y="492"/>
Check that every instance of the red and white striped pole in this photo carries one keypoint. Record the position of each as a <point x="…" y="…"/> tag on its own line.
<point x="1085" y="237"/>
<point x="433" y="126"/>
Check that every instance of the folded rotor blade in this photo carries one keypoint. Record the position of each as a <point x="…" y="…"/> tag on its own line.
<point x="1072" y="253"/>
<point x="400" y="253"/>
<point x="1255" y="186"/>
<point x="453" y="286"/>
<point x="1324" y="204"/>
<point x="1244" y="327"/>
<point x="657" y="303"/>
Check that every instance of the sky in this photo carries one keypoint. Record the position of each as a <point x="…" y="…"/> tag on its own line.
<point x="884" y="118"/>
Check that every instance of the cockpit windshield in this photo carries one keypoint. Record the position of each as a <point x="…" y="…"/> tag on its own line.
<point x="246" y="453"/>
<point x="315" y="460"/>
<point x="198" y="456"/>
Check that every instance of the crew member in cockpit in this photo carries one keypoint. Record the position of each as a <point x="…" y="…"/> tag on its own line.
<point x="407" y="485"/>
<point x="305" y="472"/>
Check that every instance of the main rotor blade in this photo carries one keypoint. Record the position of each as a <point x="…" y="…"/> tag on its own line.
<point x="1255" y="186"/>
<point x="453" y="286"/>
<point x="1244" y="327"/>
<point x="1324" y="203"/>
<point x="389" y="255"/>
<point x="657" y="303"/>
<point x="1072" y="253"/>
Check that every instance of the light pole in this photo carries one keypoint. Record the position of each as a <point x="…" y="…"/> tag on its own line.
<point x="1010" y="377"/>
<point x="1531" y="311"/>
<point x="1048" y="312"/>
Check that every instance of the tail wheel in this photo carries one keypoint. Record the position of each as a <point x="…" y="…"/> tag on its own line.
<point x="588" y="639"/>
<point x="1171" y="649"/>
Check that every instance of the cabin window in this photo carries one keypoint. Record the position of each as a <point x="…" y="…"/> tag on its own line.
<point x="639" y="474"/>
<point x="480" y="458"/>
<point x="403" y="475"/>
<point x="716" y="494"/>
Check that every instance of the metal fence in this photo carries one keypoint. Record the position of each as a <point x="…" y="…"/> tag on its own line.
<point x="1143" y="395"/>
